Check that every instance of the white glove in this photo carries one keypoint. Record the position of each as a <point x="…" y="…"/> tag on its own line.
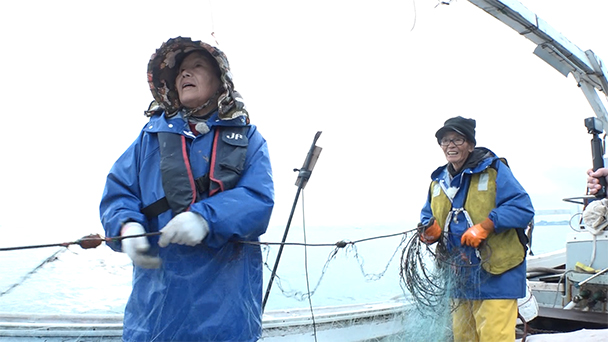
<point x="595" y="216"/>
<point x="186" y="228"/>
<point x="137" y="247"/>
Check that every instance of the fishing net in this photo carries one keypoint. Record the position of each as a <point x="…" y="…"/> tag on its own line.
<point x="427" y="274"/>
<point x="383" y="287"/>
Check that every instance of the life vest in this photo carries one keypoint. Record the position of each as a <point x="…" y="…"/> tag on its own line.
<point x="499" y="252"/>
<point x="227" y="161"/>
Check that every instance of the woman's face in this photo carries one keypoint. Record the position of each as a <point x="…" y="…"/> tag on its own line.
<point x="196" y="81"/>
<point x="456" y="149"/>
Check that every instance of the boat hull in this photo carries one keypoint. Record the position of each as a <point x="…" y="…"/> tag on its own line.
<point x="568" y="284"/>
<point x="348" y="323"/>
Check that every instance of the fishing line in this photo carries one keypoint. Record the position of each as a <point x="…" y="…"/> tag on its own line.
<point x="415" y="15"/>
<point x="430" y="272"/>
<point x="87" y="242"/>
<point x="425" y="289"/>
<point x="51" y="258"/>
<point x="92" y="241"/>
<point x="212" y="23"/>
<point x="361" y="261"/>
<point x="349" y="246"/>
<point x="314" y="324"/>
<point x="339" y="244"/>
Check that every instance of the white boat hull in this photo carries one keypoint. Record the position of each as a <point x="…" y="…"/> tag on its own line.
<point x="558" y="284"/>
<point x="348" y="323"/>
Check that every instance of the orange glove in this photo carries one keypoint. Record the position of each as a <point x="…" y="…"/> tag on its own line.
<point x="430" y="232"/>
<point x="474" y="235"/>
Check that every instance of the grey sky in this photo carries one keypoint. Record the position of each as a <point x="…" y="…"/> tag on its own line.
<point x="377" y="85"/>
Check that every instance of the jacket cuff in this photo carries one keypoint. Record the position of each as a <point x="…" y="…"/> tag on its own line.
<point x="487" y="224"/>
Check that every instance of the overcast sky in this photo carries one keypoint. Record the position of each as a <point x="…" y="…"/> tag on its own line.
<point x="377" y="77"/>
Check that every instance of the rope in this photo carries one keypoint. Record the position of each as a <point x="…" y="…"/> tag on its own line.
<point x="94" y="240"/>
<point x="87" y="242"/>
<point x="595" y="216"/>
<point x="339" y="244"/>
<point x="349" y="245"/>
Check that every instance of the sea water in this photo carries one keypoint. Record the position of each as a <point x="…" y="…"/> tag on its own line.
<point x="98" y="281"/>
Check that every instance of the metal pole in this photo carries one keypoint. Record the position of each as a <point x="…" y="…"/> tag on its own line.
<point x="592" y="277"/>
<point x="303" y="175"/>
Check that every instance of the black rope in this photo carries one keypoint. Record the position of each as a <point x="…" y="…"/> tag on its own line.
<point x="339" y="244"/>
<point x="349" y="245"/>
<point x="87" y="242"/>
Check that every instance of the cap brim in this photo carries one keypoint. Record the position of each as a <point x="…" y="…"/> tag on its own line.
<point x="443" y="130"/>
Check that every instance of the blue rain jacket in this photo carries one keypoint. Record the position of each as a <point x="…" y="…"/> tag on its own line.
<point x="513" y="209"/>
<point x="208" y="292"/>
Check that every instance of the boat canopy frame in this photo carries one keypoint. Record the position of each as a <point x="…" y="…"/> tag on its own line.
<point x="554" y="48"/>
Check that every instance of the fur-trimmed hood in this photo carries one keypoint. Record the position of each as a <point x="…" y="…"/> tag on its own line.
<point x="163" y="69"/>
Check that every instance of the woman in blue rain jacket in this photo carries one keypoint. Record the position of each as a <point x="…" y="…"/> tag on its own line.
<point x="196" y="281"/>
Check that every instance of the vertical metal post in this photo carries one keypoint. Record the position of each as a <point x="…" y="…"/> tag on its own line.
<point x="303" y="176"/>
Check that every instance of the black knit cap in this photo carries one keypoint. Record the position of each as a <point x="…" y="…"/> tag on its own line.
<point x="460" y="125"/>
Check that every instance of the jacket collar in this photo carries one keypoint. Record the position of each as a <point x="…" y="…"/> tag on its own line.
<point x="177" y="124"/>
<point x="480" y="159"/>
